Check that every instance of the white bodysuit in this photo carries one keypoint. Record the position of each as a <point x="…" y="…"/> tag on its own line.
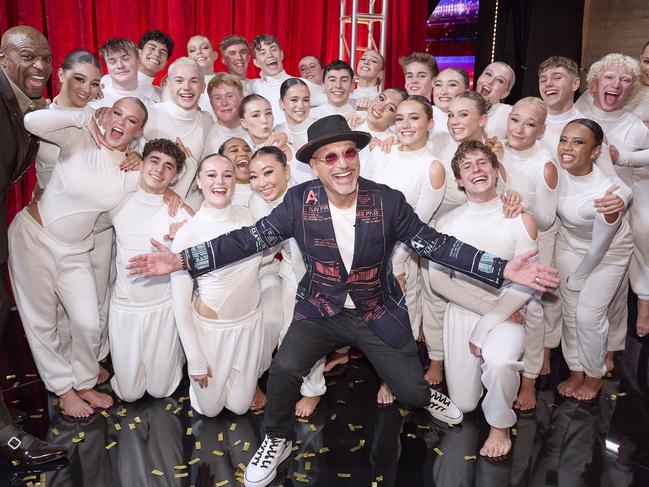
<point x="144" y="344"/>
<point x="502" y="342"/>
<point x="231" y="345"/>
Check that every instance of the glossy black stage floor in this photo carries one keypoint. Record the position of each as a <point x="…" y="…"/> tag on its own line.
<point x="349" y="441"/>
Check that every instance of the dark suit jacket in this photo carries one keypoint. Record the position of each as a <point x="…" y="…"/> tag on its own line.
<point x="17" y="151"/>
<point x="383" y="218"/>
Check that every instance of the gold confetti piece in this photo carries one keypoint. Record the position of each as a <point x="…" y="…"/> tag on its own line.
<point x="220" y="437"/>
<point x="313" y="427"/>
<point x="180" y="475"/>
<point x="190" y="413"/>
<point x="131" y="426"/>
<point x="514" y="432"/>
<point x="122" y="412"/>
<point x="76" y="440"/>
<point x="197" y="445"/>
<point x="613" y="397"/>
<point x="355" y="448"/>
<point x="340" y="401"/>
<point x="351" y="427"/>
<point x="193" y="461"/>
<point x="302" y="420"/>
<point x="157" y="472"/>
<point x="258" y="412"/>
<point x="118" y="427"/>
<point x="411" y="435"/>
<point x="379" y="478"/>
<point x="344" y="475"/>
<point x="189" y="431"/>
<point x="137" y="419"/>
<point x="82" y="434"/>
<point x="439" y="452"/>
<point x="403" y="412"/>
<point x="105" y="414"/>
<point x="299" y="475"/>
<point x="375" y="484"/>
<point x="324" y="449"/>
<point x="217" y="453"/>
<point x="609" y="375"/>
<point x="15" y="462"/>
<point x="183" y="399"/>
<point x="423" y="426"/>
<point x="233" y="426"/>
<point x="110" y="445"/>
<point x="177" y="410"/>
<point x="299" y="457"/>
<point x="180" y="467"/>
<point x="236" y="443"/>
<point x="55" y="431"/>
<point x="242" y="467"/>
<point x="295" y="448"/>
<point x="31" y="375"/>
<point x="221" y="483"/>
<point x="43" y="478"/>
<point x="307" y="465"/>
<point x="29" y="477"/>
<point x="168" y="407"/>
<point x="246" y="446"/>
<point x="333" y="417"/>
<point x="621" y="394"/>
<point x="450" y="425"/>
<point x="302" y="480"/>
<point x="309" y="455"/>
<point x="29" y="484"/>
<point x="469" y="457"/>
<point x="11" y="376"/>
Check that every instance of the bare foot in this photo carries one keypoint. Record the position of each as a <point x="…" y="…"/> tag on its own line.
<point x="642" y="323"/>
<point x="384" y="396"/>
<point x="258" y="400"/>
<point x="334" y="359"/>
<point x="72" y="405"/>
<point x="104" y="375"/>
<point x="498" y="443"/>
<point x="588" y="389"/>
<point x="610" y="361"/>
<point x="435" y="373"/>
<point x="568" y="386"/>
<point x="546" y="368"/>
<point x="96" y="399"/>
<point x="526" y="400"/>
<point x="305" y="407"/>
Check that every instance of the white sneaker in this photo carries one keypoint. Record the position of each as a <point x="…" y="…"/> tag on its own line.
<point x="443" y="409"/>
<point x="262" y="469"/>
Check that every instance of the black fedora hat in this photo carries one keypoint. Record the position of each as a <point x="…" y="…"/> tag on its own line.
<point x="327" y="130"/>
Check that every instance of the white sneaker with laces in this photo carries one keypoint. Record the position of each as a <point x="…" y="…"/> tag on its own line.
<point x="262" y="469"/>
<point x="443" y="409"/>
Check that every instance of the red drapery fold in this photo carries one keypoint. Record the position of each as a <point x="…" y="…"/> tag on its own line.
<point x="302" y="27"/>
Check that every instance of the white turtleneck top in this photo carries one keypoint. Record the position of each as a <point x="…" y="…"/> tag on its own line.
<point x="328" y="109"/>
<point x="268" y="87"/>
<point x="297" y="133"/>
<point x="231" y="291"/>
<point x="497" y="120"/>
<point x="145" y="91"/>
<point x="441" y="120"/>
<point x="86" y="180"/>
<point x="525" y="174"/>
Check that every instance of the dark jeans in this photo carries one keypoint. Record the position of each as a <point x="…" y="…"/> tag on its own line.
<point x="5" y="306"/>
<point x="309" y="340"/>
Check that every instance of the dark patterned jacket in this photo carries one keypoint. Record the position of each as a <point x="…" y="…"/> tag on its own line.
<point x="17" y="151"/>
<point x="383" y="218"/>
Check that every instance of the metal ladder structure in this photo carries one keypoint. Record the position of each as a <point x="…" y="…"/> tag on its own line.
<point x="373" y="18"/>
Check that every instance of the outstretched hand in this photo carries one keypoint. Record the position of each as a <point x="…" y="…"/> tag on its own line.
<point x="521" y="271"/>
<point x="159" y="263"/>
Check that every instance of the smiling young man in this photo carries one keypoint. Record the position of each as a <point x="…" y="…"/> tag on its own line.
<point x="144" y="343"/>
<point x="25" y="66"/>
<point x="419" y="71"/>
<point x="346" y="228"/>
<point x="338" y="82"/>
<point x="235" y="56"/>
<point x="311" y="72"/>
<point x="268" y="57"/>
<point x="155" y="48"/>
<point x="179" y="118"/>
<point x="484" y="350"/>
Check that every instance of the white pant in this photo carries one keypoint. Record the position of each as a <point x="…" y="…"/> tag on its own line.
<point x="639" y="220"/>
<point x="233" y="349"/>
<point x="432" y="307"/>
<point x="618" y="315"/>
<point x="145" y="349"/>
<point x="498" y="368"/>
<point x="314" y="384"/>
<point x="102" y="258"/>
<point x="551" y="299"/>
<point x="585" y="323"/>
<point x="44" y="270"/>
<point x="273" y="316"/>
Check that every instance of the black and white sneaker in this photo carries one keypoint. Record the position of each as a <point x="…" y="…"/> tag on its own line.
<point x="262" y="469"/>
<point x="443" y="409"/>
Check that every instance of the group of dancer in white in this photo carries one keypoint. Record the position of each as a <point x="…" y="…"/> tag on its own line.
<point x="205" y="153"/>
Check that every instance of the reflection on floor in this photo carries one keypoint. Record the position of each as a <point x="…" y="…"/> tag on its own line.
<point x="349" y="441"/>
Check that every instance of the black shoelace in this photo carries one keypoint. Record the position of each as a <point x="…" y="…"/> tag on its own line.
<point x="268" y="450"/>
<point x="439" y="401"/>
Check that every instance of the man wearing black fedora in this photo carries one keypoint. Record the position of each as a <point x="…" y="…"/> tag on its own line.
<point x="346" y="228"/>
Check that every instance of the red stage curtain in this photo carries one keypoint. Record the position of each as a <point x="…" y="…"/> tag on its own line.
<point x="302" y="27"/>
